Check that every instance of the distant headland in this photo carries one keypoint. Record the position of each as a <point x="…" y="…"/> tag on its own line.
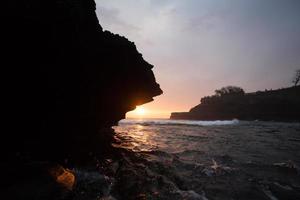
<point x="233" y="103"/>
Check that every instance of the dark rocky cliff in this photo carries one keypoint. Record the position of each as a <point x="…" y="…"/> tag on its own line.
<point x="275" y="105"/>
<point x="65" y="80"/>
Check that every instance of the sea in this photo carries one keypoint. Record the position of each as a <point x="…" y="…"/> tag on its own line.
<point x="204" y="160"/>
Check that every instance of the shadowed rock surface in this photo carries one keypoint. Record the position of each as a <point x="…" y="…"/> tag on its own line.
<point x="274" y="105"/>
<point x="65" y="78"/>
<point x="65" y="82"/>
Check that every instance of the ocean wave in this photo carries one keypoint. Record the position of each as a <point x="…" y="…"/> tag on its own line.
<point x="178" y="122"/>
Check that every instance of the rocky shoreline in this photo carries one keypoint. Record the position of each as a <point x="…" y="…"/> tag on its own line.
<point x="273" y="105"/>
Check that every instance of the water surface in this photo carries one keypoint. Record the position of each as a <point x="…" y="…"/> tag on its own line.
<point x="177" y="159"/>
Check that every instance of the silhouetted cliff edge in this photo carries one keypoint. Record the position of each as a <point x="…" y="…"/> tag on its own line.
<point x="275" y="105"/>
<point x="65" y="80"/>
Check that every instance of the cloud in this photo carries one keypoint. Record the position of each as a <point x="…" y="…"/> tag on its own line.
<point x="197" y="46"/>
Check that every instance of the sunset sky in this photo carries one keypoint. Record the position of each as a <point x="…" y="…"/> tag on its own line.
<point x="198" y="46"/>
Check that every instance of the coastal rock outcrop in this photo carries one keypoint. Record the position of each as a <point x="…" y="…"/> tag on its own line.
<point x="272" y="105"/>
<point x="65" y="80"/>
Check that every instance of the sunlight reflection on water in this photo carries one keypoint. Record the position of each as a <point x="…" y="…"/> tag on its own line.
<point x="232" y="156"/>
<point x="242" y="140"/>
<point x="139" y="139"/>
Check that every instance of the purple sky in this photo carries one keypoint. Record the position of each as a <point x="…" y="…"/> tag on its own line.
<point x="198" y="46"/>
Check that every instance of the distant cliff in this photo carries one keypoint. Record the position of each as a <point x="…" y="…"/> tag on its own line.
<point x="277" y="105"/>
<point x="65" y="80"/>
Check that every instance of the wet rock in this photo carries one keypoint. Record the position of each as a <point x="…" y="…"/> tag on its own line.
<point x="38" y="181"/>
<point x="62" y="176"/>
<point x="92" y="185"/>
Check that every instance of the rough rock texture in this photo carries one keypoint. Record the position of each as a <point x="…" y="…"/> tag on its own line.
<point x="276" y="105"/>
<point x="65" y="79"/>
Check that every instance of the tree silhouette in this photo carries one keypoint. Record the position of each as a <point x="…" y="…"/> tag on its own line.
<point x="230" y="90"/>
<point x="296" y="78"/>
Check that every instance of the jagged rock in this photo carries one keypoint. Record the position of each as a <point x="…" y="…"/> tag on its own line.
<point x="65" y="79"/>
<point x="65" y="83"/>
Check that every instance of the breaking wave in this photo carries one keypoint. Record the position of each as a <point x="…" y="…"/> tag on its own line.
<point x="196" y="160"/>
<point x="148" y="122"/>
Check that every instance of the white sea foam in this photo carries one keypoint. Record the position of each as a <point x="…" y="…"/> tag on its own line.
<point x="178" y="122"/>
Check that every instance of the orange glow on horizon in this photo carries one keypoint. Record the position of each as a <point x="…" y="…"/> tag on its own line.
<point x="144" y="112"/>
<point x="161" y="108"/>
<point x="139" y="112"/>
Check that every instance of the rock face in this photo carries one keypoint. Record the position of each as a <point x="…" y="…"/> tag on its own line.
<point x="277" y="105"/>
<point x="65" y="79"/>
